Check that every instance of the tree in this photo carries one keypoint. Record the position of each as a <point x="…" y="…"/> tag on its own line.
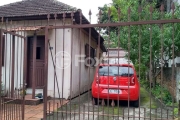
<point x="121" y="35"/>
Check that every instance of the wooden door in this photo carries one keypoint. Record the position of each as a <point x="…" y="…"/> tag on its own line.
<point x="39" y="62"/>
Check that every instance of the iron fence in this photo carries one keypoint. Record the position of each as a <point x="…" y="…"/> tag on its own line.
<point x="56" y="61"/>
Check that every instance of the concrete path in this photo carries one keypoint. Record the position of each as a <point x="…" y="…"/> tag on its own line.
<point x="82" y="109"/>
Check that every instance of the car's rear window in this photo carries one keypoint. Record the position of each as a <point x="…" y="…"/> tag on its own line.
<point x="113" y="71"/>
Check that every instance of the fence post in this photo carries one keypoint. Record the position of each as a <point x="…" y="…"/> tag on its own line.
<point x="1" y="37"/>
<point x="179" y="111"/>
<point x="46" y="75"/>
<point x="24" y="76"/>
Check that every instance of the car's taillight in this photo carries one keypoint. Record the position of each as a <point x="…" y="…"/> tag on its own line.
<point x="97" y="79"/>
<point x="132" y="81"/>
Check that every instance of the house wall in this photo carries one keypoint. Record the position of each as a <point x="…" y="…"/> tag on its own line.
<point x="18" y="63"/>
<point x="177" y="92"/>
<point x="113" y="57"/>
<point x="63" y="76"/>
<point x="114" y="53"/>
<point x="169" y="3"/>
<point x="176" y="61"/>
<point x="62" y="36"/>
<point x="81" y="74"/>
<point x="18" y="69"/>
<point x="178" y="1"/>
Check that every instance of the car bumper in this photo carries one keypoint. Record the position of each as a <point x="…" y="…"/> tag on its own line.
<point x="130" y="93"/>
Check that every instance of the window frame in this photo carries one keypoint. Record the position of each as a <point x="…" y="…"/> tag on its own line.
<point x="92" y="55"/>
<point x="109" y="70"/>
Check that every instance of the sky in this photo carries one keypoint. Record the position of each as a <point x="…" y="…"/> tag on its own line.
<point x="84" y="5"/>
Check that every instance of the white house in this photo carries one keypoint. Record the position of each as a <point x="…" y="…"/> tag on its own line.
<point x="24" y="26"/>
<point x="115" y="55"/>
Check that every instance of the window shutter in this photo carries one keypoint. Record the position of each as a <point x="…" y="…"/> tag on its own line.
<point x="90" y="53"/>
<point x="86" y="50"/>
<point x="93" y="53"/>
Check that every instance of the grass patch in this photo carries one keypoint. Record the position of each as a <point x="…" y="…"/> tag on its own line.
<point x="159" y="92"/>
<point x="145" y="99"/>
<point x="153" y="106"/>
<point x="68" y="107"/>
<point x="144" y="95"/>
<point x="113" y="110"/>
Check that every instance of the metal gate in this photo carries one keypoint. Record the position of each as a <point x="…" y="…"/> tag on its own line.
<point x="73" y="52"/>
<point x="12" y="78"/>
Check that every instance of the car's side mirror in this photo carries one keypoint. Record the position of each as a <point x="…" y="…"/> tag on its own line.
<point x="138" y="76"/>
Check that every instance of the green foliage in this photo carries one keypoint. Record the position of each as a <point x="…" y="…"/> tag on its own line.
<point x="137" y="39"/>
<point x="159" y="92"/>
<point x="162" y="92"/>
<point x="176" y="111"/>
<point x="161" y="36"/>
<point x="140" y="69"/>
<point x="144" y="83"/>
<point x="2" y="89"/>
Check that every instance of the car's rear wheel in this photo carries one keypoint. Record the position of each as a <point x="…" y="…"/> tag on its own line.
<point x="136" y="103"/>
<point x="94" y="101"/>
<point x="108" y="102"/>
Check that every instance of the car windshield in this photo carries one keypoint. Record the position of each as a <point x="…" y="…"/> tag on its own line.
<point x="113" y="71"/>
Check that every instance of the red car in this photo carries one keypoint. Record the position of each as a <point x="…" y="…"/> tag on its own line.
<point x="108" y="84"/>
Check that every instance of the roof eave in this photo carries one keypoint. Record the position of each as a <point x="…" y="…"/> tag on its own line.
<point x="59" y="16"/>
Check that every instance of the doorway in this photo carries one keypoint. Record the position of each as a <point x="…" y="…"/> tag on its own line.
<point x="39" y="62"/>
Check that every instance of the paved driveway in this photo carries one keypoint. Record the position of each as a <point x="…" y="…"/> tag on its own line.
<point x="32" y="112"/>
<point x="81" y="108"/>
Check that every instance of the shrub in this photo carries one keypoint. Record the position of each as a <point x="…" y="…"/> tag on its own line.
<point x="2" y="90"/>
<point x="158" y="91"/>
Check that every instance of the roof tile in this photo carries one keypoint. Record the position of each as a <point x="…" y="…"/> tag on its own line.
<point x="34" y="7"/>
